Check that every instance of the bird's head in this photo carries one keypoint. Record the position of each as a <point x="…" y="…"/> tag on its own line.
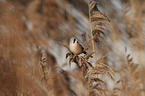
<point x="73" y="40"/>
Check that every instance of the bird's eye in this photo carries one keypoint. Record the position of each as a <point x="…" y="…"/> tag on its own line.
<point x="74" y="40"/>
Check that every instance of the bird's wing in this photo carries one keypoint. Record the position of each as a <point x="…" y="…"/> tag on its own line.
<point x="81" y="46"/>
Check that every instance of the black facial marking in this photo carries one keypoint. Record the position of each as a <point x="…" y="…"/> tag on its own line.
<point x="74" y="40"/>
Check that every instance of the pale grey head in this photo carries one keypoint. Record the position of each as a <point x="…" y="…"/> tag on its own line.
<point x="73" y="39"/>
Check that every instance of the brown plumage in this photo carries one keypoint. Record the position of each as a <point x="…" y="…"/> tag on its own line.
<point x="75" y="47"/>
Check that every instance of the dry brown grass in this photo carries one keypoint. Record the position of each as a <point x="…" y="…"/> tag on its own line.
<point x="26" y="26"/>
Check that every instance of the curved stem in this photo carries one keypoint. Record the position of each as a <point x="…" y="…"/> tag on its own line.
<point x="92" y="33"/>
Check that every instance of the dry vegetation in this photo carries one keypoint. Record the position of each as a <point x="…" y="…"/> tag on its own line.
<point x="114" y="65"/>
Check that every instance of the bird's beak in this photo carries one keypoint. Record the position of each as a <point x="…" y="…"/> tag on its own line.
<point x="76" y="41"/>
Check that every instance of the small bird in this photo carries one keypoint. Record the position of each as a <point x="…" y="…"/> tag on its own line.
<point x="75" y="47"/>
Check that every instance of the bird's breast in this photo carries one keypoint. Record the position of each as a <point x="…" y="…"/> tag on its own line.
<point x="75" y="48"/>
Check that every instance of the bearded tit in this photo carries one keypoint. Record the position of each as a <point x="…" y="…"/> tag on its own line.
<point x="75" y="47"/>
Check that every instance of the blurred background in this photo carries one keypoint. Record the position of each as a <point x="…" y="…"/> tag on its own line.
<point x="27" y="25"/>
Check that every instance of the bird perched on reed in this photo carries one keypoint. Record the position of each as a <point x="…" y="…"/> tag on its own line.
<point x="75" y="47"/>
